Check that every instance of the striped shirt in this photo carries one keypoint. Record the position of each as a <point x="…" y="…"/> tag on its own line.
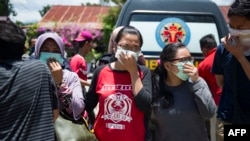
<point x="27" y="100"/>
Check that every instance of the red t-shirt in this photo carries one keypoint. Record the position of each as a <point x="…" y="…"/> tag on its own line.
<point x="205" y="71"/>
<point x="78" y="65"/>
<point x="119" y="118"/>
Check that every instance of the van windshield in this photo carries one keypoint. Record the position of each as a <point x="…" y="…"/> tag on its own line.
<point x="159" y="29"/>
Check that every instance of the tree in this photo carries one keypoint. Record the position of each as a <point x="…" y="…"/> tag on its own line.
<point x="6" y="8"/>
<point x="89" y="4"/>
<point x="32" y="31"/>
<point x="44" y="10"/>
<point x="117" y="2"/>
<point x="109" y="20"/>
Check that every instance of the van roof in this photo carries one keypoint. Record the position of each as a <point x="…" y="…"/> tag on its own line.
<point x="169" y="5"/>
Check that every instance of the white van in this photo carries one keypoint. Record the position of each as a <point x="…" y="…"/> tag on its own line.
<point x="165" y="21"/>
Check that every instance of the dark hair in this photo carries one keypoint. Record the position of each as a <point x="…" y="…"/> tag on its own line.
<point x="169" y="51"/>
<point x="159" y="74"/>
<point x="129" y="30"/>
<point x="78" y="45"/>
<point x="82" y="43"/>
<point x="240" y="8"/>
<point x="208" y="41"/>
<point x="12" y="40"/>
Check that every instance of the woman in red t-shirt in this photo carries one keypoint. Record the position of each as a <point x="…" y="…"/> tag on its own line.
<point x="123" y="90"/>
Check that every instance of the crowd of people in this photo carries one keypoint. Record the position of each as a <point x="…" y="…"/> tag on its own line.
<point x="175" y="102"/>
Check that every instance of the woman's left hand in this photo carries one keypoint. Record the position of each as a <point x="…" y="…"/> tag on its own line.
<point x="129" y="62"/>
<point x="56" y="70"/>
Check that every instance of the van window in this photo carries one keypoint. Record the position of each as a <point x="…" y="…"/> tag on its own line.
<point x="161" y="28"/>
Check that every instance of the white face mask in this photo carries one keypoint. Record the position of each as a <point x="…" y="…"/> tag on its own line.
<point x="244" y="37"/>
<point x="247" y="53"/>
<point x="128" y="52"/>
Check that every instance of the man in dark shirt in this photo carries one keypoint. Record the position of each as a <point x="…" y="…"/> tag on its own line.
<point x="27" y="91"/>
<point x="232" y="68"/>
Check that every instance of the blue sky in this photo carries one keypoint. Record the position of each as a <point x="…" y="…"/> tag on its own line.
<point x="28" y="10"/>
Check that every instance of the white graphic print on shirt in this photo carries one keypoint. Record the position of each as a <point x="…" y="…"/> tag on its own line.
<point x="117" y="107"/>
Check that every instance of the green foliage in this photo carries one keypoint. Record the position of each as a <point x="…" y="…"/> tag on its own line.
<point x="44" y="10"/>
<point x="6" y="8"/>
<point x="117" y="2"/>
<point x="19" y="23"/>
<point x="68" y="33"/>
<point x="109" y="22"/>
<point x="89" y="4"/>
<point x="32" y="31"/>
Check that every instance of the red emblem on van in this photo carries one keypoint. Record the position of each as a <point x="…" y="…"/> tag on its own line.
<point x="172" y="30"/>
<point x="173" y="33"/>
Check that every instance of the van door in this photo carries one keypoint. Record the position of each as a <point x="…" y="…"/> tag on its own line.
<point x="159" y="28"/>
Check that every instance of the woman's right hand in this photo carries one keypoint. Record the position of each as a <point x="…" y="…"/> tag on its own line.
<point x="56" y="70"/>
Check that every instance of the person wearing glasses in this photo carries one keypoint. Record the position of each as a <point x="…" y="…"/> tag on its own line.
<point x="123" y="90"/>
<point x="181" y="99"/>
<point x="109" y="57"/>
<point x="232" y="69"/>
